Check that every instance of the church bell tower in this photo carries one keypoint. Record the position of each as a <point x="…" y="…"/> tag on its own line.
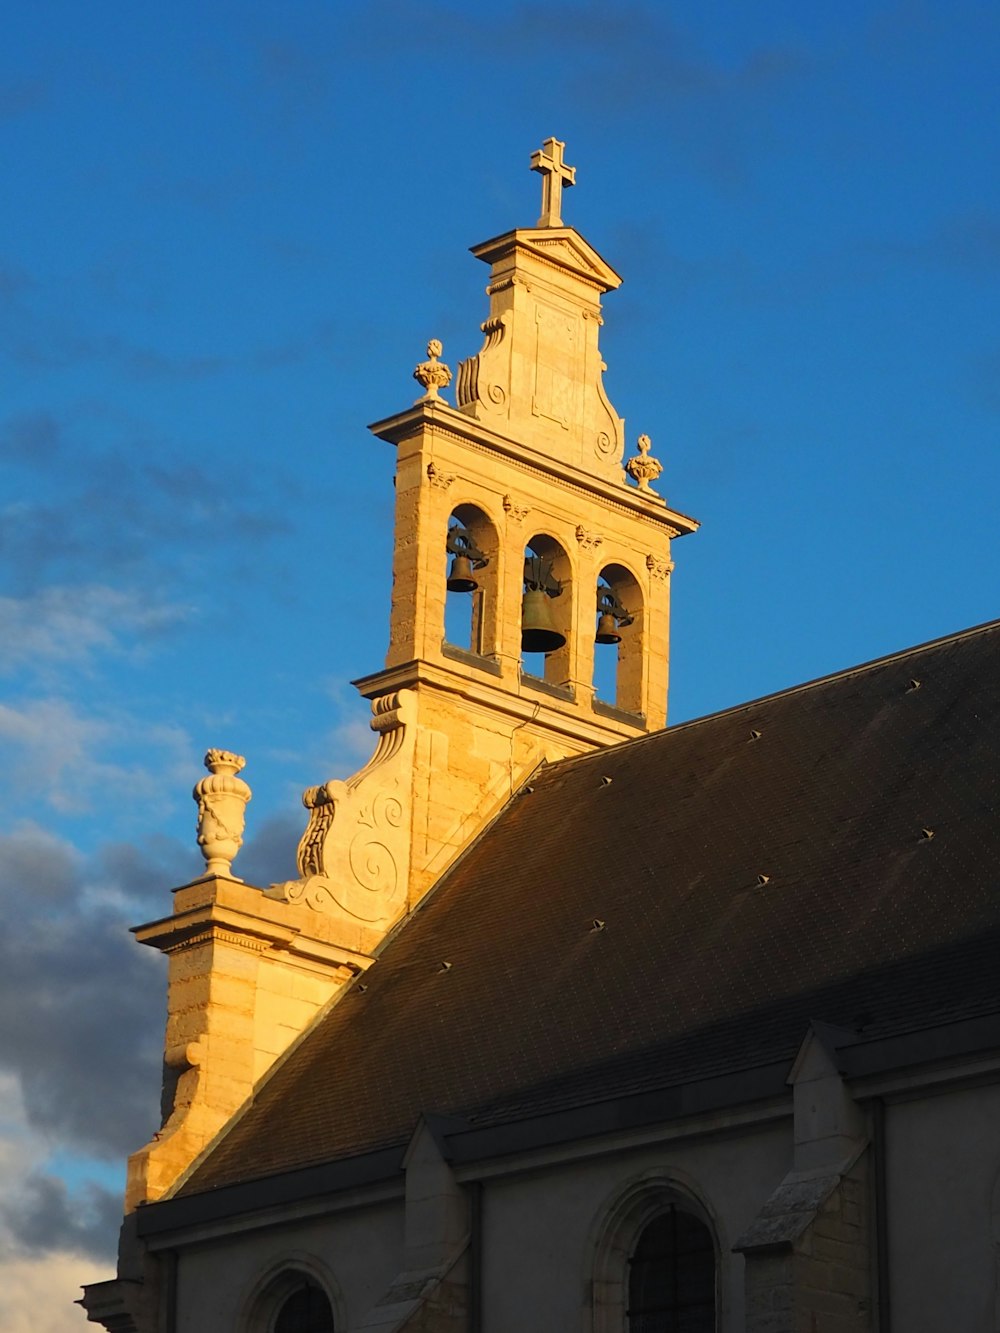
<point x="523" y="547"/>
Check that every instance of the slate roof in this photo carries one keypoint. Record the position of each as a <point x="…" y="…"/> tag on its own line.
<point x="685" y="919"/>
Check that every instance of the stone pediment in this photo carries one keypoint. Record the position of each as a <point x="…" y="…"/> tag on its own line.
<point x="562" y="246"/>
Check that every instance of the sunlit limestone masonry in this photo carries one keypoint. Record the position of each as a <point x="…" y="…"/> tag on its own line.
<point x="521" y="536"/>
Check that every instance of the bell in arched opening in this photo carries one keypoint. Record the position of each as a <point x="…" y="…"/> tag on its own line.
<point x="466" y="559"/>
<point x="539" y="632"/>
<point x="611" y="615"/>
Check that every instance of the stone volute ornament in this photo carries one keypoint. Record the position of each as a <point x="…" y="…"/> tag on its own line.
<point x="222" y="801"/>
<point x="433" y="374"/>
<point x="644" y="468"/>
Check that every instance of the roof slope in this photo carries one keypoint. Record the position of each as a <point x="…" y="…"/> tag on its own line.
<point x="700" y="966"/>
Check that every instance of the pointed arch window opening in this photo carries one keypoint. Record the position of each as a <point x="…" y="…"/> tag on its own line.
<point x="305" y="1310"/>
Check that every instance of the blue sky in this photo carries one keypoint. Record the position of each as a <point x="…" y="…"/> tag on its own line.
<point x="230" y="231"/>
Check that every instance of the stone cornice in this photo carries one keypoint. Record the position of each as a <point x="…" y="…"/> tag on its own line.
<point x="573" y="255"/>
<point x="211" y="921"/>
<point x="532" y="706"/>
<point x="449" y="421"/>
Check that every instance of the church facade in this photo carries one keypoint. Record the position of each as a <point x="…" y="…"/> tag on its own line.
<point x="568" y="1021"/>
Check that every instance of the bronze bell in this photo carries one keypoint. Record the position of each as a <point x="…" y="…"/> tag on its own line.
<point x="462" y="577"/>
<point x="538" y="630"/>
<point x="607" y="629"/>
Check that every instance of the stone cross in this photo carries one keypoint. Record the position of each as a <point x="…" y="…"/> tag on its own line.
<point x="548" y="160"/>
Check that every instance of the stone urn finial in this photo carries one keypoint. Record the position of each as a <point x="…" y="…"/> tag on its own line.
<point x="644" y="468"/>
<point x="433" y="374"/>
<point x="222" y="801"/>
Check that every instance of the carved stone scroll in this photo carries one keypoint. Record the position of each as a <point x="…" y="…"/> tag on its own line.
<point x="354" y="857"/>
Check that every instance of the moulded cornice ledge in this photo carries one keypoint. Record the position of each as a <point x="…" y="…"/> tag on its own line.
<point x="407" y="424"/>
<point x="171" y="932"/>
<point x="563" y="246"/>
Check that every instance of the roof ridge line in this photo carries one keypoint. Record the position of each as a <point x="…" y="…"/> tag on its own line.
<point x="843" y="673"/>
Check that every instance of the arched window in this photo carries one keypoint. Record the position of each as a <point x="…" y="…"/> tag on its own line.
<point x="296" y="1295"/>
<point x="671" y="1279"/>
<point x="657" y="1262"/>
<point x="305" y="1310"/>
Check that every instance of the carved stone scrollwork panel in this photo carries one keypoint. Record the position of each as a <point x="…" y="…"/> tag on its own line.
<point x="354" y="857"/>
<point x="588" y="540"/>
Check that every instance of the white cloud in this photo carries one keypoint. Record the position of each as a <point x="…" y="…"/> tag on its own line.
<point x="55" y="754"/>
<point x="37" y="1294"/>
<point x="62" y="625"/>
<point x="36" y="1291"/>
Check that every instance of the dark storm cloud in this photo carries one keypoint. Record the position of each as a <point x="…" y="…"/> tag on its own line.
<point x="81" y="1004"/>
<point x="269" y="857"/>
<point x="33" y="863"/>
<point x="80" y="1009"/>
<point x="43" y="1216"/>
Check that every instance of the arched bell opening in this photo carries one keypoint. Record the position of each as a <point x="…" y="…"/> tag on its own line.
<point x="470" y="580"/>
<point x="546" y="611"/>
<point x="618" y="639"/>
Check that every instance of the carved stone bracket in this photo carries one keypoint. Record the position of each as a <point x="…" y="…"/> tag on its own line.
<point x="354" y="857"/>
<point x="588" y="540"/>
<point x="515" y="511"/>
<point x="437" y="478"/>
<point x="659" y="568"/>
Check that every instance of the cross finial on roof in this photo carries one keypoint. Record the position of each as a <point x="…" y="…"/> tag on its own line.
<point x="548" y="160"/>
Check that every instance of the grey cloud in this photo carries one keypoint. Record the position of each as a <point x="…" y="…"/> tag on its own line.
<point x="123" y="506"/>
<point x="81" y="1004"/>
<point x="80" y="1014"/>
<point x="69" y="625"/>
<point x="33" y="862"/>
<point x="43" y="1216"/>
<point x="147" y="873"/>
<point x="269" y="856"/>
